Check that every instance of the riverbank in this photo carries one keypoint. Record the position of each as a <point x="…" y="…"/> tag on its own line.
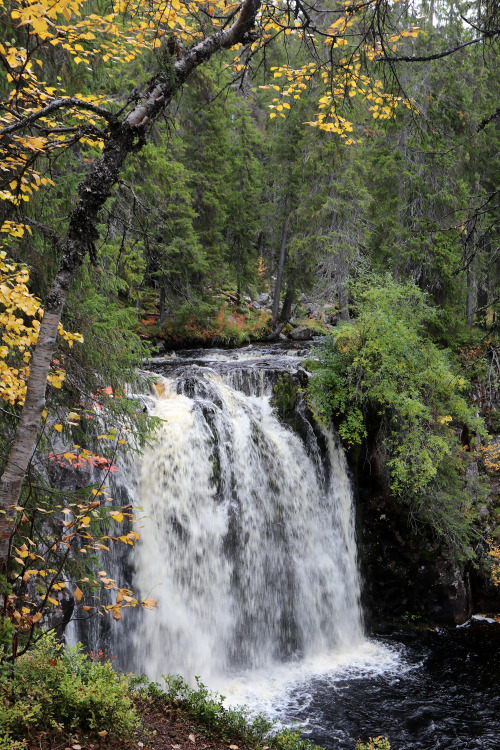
<point x="55" y="699"/>
<point x="440" y="690"/>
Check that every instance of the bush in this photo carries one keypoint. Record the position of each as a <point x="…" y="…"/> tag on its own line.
<point x="374" y="743"/>
<point x="380" y="378"/>
<point x="51" y="691"/>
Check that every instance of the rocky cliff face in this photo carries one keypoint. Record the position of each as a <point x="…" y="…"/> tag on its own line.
<point x="406" y="575"/>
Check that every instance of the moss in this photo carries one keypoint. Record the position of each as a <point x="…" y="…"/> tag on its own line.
<point x="285" y="399"/>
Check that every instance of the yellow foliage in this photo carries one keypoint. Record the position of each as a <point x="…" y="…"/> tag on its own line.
<point x="494" y="554"/>
<point x="132" y="28"/>
<point x="491" y="456"/>
<point x="20" y="313"/>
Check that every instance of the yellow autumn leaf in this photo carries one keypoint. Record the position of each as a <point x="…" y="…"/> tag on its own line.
<point x="58" y="427"/>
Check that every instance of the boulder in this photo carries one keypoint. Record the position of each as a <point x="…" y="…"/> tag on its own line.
<point x="302" y="333"/>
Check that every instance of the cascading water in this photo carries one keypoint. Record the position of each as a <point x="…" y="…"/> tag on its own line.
<point x="247" y="538"/>
<point x="248" y="530"/>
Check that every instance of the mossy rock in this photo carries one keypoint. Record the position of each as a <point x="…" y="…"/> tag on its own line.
<point x="284" y="399"/>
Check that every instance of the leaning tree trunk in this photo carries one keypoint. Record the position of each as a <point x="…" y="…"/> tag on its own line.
<point x="125" y="136"/>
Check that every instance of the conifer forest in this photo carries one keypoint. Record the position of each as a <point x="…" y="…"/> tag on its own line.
<point x="249" y="374"/>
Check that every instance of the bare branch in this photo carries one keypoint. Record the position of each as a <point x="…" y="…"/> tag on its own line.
<point x="438" y="55"/>
<point x="487" y="120"/>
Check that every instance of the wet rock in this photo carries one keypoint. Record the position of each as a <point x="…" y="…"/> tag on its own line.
<point x="302" y="333"/>
<point x="331" y="319"/>
<point x="486" y="624"/>
<point x="406" y="576"/>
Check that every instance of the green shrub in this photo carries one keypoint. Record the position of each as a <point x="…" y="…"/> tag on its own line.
<point x="207" y="709"/>
<point x="7" y="743"/>
<point x="380" y="379"/>
<point x="51" y="691"/>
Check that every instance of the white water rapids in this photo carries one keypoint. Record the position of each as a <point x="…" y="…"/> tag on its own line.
<point x="249" y="533"/>
<point x="247" y="543"/>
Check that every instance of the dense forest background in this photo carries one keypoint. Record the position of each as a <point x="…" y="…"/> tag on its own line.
<point x="221" y="188"/>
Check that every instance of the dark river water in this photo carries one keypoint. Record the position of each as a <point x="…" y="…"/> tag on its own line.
<point x="446" y="694"/>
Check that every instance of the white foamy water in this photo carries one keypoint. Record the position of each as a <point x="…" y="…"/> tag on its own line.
<point x="287" y="688"/>
<point x="249" y="533"/>
<point x="247" y="543"/>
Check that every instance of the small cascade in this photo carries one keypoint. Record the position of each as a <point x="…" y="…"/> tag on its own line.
<point x="247" y="538"/>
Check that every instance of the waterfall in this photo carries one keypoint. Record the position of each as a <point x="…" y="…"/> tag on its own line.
<point x="247" y="538"/>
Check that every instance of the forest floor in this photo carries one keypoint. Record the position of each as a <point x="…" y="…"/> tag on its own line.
<point x="162" y="728"/>
<point x="167" y="729"/>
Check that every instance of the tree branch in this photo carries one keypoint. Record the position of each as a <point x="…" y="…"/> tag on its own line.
<point x="125" y="137"/>
<point x="58" y="104"/>
<point x="437" y="56"/>
<point x="487" y="120"/>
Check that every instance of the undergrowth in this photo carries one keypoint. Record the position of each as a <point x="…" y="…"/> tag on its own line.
<point x="51" y="692"/>
<point x="374" y="743"/>
<point x="207" y="710"/>
<point x="231" y="326"/>
<point x="51" y="697"/>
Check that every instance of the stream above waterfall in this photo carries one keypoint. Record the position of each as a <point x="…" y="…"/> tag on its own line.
<point x="247" y="543"/>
